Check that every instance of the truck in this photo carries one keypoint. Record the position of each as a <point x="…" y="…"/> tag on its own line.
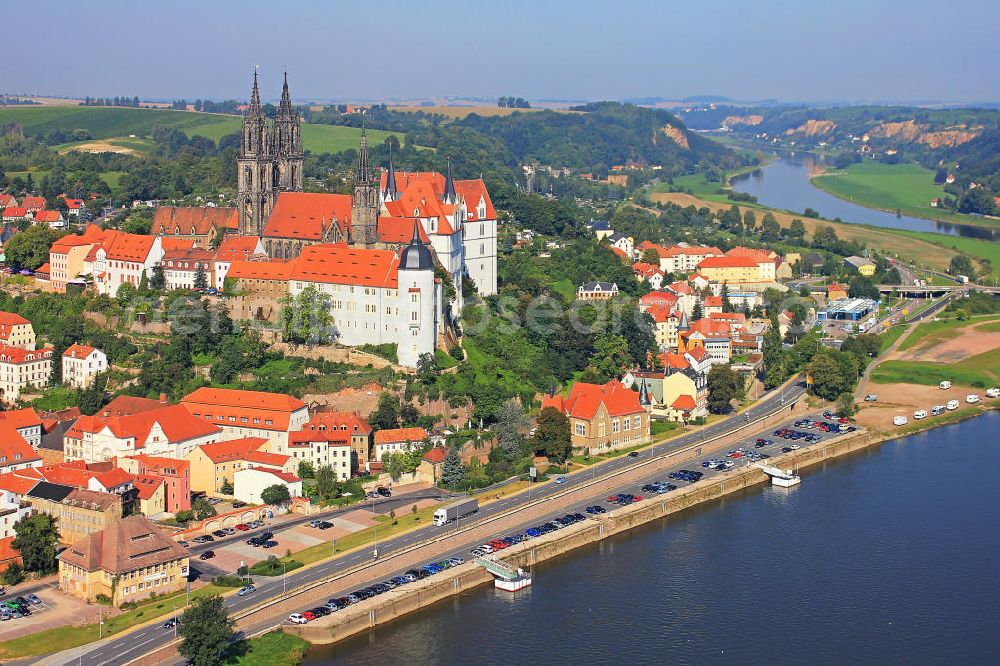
<point x="455" y="510"/>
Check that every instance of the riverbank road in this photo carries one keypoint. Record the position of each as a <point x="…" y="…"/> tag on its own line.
<point x="400" y="553"/>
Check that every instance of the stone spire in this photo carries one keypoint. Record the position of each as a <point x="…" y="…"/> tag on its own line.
<point x="449" y="187"/>
<point x="362" y="176"/>
<point x="285" y="108"/>
<point x="683" y="325"/>
<point x="644" y="394"/>
<point x="255" y="107"/>
<point x="390" y="180"/>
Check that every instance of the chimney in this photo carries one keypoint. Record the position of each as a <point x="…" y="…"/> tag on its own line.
<point x="163" y="398"/>
<point x="106" y="414"/>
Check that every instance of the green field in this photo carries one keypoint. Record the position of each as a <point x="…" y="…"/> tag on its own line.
<point x="275" y="648"/>
<point x="118" y="124"/>
<point x="109" y="177"/>
<point x="932" y="332"/>
<point x="981" y="371"/>
<point x="978" y="249"/>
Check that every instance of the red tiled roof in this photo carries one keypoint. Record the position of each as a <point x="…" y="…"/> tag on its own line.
<point x="261" y="270"/>
<point x="19" y="355"/>
<point x="129" y="247"/>
<point x="92" y="234"/>
<point x="16" y="484"/>
<point x="123" y="405"/>
<point x="237" y="247"/>
<point x="585" y="399"/>
<point x="661" y="313"/>
<point x="340" y="264"/>
<point x="727" y="262"/>
<point x="752" y="253"/>
<point x="267" y="458"/>
<point x="169" y="243"/>
<point x="644" y="269"/>
<point x="38" y="203"/>
<point x="284" y="476"/>
<point x="472" y="191"/>
<point x="435" y="455"/>
<point x="676" y="361"/>
<point x="6" y="200"/>
<point x="21" y="418"/>
<point x="14" y="448"/>
<point x="234" y="449"/>
<point x="113" y="478"/>
<point x="73" y="204"/>
<point x="7" y="551"/>
<point x="680" y="288"/>
<point x="349" y="423"/>
<point x="48" y="216"/>
<point x="391" y="435"/>
<point x="78" y="351"/>
<point x="304" y="214"/>
<point x="399" y="230"/>
<point x="664" y="298"/>
<point x="713" y="302"/>
<point x="147" y="484"/>
<point x="177" y="423"/>
<point x="44" y="269"/>
<point x="12" y="319"/>
<point x="190" y="221"/>
<point x="684" y="402"/>
<point x="248" y="400"/>
<point x="14" y="212"/>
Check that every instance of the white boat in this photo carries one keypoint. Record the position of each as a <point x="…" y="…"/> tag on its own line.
<point x="787" y="479"/>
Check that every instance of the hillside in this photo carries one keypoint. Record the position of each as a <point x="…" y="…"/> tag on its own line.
<point x="119" y="124"/>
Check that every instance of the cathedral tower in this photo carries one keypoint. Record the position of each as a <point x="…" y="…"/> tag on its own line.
<point x="256" y="189"/>
<point x="287" y="144"/>
<point x="364" y="202"/>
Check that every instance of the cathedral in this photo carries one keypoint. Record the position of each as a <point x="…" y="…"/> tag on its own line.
<point x="456" y="217"/>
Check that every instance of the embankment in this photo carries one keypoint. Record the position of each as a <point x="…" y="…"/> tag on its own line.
<point x="392" y="605"/>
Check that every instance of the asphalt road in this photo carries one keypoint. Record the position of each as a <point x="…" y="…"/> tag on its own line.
<point x="133" y="645"/>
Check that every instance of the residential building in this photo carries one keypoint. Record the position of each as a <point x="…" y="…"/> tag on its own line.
<point x="242" y="413"/>
<point x="168" y="431"/>
<point x="398" y="440"/>
<point x="152" y="495"/>
<point x="16" y="331"/>
<point x="26" y="422"/>
<point x="78" y="512"/>
<point x="73" y="207"/>
<point x="12" y="505"/>
<point x="22" y="369"/>
<point x="213" y="465"/>
<point x="181" y="268"/>
<point x="602" y="417"/>
<point x="80" y="364"/>
<point x="7" y="200"/>
<point x="622" y="242"/>
<point x="346" y="427"/>
<point x="68" y="255"/>
<point x="122" y="258"/>
<point x="601" y="228"/>
<point x="732" y="269"/>
<point x="835" y="292"/>
<point x="597" y="291"/>
<point x="250" y="483"/>
<point x="53" y="218"/>
<point x="715" y="337"/>
<point x="649" y="273"/>
<point x="323" y="448"/>
<point x="202" y="226"/>
<point x="665" y="321"/>
<point x="33" y="204"/>
<point x="175" y="474"/>
<point x="129" y="560"/>
<point x="14" y="214"/>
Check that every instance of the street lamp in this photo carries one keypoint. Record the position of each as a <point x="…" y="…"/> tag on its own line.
<point x="284" y="571"/>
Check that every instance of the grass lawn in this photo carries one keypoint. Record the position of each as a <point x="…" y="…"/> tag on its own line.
<point x="109" y="145"/>
<point x="910" y="188"/>
<point x="444" y="361"/>
<point x="890" y="336"/>
<point x="64" y="638"/>
<point x="275" y="648"/>
<point x="660" y="427"/>
<point x="55" y="398"/>
<point x="993" y="327"/>
<point x="938" y="331"/>
<point x="978" y="249"/>
<point x="565" y="288"/>
<point x="981" y="371"/>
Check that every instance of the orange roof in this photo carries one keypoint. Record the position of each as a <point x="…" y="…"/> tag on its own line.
<point x="147" y="484"/>
<point x="123" y="405"/>
<point x="399" y="230"/>
<point x="177" y="424"/>
<point x="256" y="406"/>
<point x="663" y="298"/>
<point x="752" y="253"/>
<point x="129" y="247"/>
<point x="44" y="268"/>
<point x="435" y="455"/>
<point x="585" y="399"/>
<point x="10" y="354"/>
<point x="261" y="270"/>
<point x="92" y="234"/>
<point x="189" y="221"/>
<point x="38" y="203"/>
<point x="676" y="361"/>
<point x="113" y="478"/>
<point x="713" y="302"/>
<point x="303" y="438"/>
<point x="284" y="476"/>
<point x="13" y="448"/>
<point x="78" y="351"/>
<point x="392" y="435"/>
<point x="14" y="212"/>
<point x="237" y="247"/>
<point x="680" y="288"/>
<point x="234" y="449"/>
<point x="304" y="214"/>
<point x="266" y="458"/>
<point x="620" y="253"/>
<point x="348" y="422"/>
<point x="7" y="200"/>
<point x="675" y="250"/>
<point x="647" y="245"/>
<point x="727" y="262"/>
<point x="7" y="551"/>
<point x="48" y="216"/>
<point x="73" y="203"/>
<point x="169" y="243"/>
<point x="340" y="264"/>
<point x="12" y="319"/>
<point x="472" y="191"/>
<point x="661" y="313"/>
<point x="18" y="485"/>
<point x="684" y="402"/>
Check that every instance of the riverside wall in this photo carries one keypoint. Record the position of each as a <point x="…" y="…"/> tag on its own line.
<point x="417" y="596"/>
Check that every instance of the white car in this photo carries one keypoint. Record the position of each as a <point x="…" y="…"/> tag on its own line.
<point x="920" y="414"/>
<point x="945" y="385"/>
<point x="486" y="548"/>
<point x="972" y="398"/>
<point x="297" y="618"/>
<point x="900" y="420"/>
<point x="952" y="405"/>
<point x="993" y="392"/>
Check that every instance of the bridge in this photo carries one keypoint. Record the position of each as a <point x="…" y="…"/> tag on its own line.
<point x="498" y="569"/>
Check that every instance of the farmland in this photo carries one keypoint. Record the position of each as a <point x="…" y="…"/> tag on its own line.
<point x="126" y="129"/>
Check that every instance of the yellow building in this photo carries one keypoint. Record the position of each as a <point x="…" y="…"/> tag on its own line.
<point x="78" y="513"/>
<point x="860" y="265"/>
<point x="213" y="465"/>
<point x="16" y="331"/>
<point x="603" y="417"/>
<point x="127" y="561"/>
<point x="730" y="269"/>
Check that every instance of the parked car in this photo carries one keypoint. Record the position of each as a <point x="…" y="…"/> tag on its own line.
<point x="871" y="397"/>
<point x="219" y="533"/>
<point x="972" y="398"/>
<point x="309" y="616"/>
<point x="920" y="414"/>
<point x="33" y="599"/>
<point x="900" y="420"/>
<point x="184" y="543"/>
<point x="383" y="491"/>
<point x="243" y="527"/>
<point x="207" y="555"/>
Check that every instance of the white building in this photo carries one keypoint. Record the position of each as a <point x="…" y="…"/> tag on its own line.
<point x="248" y="484"/>
<point x="80" y="364"/>
<point x="23" y="368"/>
<point x="234" y="248"/>
<point x="16" y="331"/>
<point x="11" y="508"/>
<point x="398" y="440"/>
<point x="322" y="448"/>
<point x="26" y="422"/>
<point x="122" y="259"/>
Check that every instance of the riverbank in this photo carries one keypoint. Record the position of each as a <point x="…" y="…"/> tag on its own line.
<point x="905" y="188"/>
<point x="397" y="603"/>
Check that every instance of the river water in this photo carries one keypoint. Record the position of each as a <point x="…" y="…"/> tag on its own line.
<point x="785" y="184"/>
<point x="886" y="556"/>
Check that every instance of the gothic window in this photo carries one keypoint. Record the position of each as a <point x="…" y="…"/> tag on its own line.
<point x="247" y="175"/>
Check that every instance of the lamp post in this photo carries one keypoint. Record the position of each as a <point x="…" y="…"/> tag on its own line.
<point x="284" y="578"/>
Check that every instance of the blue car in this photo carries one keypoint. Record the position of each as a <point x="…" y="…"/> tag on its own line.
<point x="531" y="531"/>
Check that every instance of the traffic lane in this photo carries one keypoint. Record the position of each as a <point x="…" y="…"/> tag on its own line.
<point x="766" y="405"/>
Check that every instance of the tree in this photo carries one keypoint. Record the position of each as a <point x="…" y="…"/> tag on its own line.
<point x="30" y="248"/>
<point x="552" y="437"/>
<point x="862" y="287"/>
<point x="727" y="305"/>
<point x="207" y="630"/>
<point x="275" y="495"/>
<point x="962" y="265"/>
<point x="157" y="280"/>
<point x="825" y="238"/>
<point x="13" y="574"/>
<point x="750" y="220"/>
<point x="326" y="482"/>
<point x="36" y="540"/>
<point x="638" y="328"/>
<point x="697" y="312"/>
<point x="651" y="256"/>
<point x="92" y="398"/>
<point x="864" y="346"/>
<point x="723" y="387"/>
<point x="452" y="472"/>
<point x="306" y="470"/>
<point x="611" y="355"/>
<point x="510" y="426"/>
<point x="386" y="415"/>
<point x="202" y="509"/>
<point x="797" y="231"/>
<point x="306" y="317"/>
<point x="832" y="373"/>
<point x="200" y="277"/>
<point x="427" y="369"/>
<point x="226" y="488"/>
<point x="770" y="230"/>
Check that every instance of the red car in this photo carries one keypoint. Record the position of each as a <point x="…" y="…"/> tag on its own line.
<point x="243" y="527"/>
<point x="309" y="616"/>
<point x="637" y="498"/>
<point x="844" y="420"/>
<point x="499" y="545"/>
<point x="612" y="498"/>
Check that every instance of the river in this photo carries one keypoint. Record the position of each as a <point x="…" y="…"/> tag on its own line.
<point x="785" y="184"/>
<point x="885" y="556"/>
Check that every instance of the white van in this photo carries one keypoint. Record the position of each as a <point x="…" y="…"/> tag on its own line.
<point x="937" y="410"/>
<point x="900" y="420"/>
<point x="920" y="414"/>
<point x="972" y="398"/>
<point x="952" y="405"/>
<point x="945" y="385"/>
<point x="993" y="392"/>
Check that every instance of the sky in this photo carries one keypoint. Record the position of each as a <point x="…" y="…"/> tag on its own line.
<point x="801" y="50"/>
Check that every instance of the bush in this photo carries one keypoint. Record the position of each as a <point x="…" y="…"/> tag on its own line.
<point x="229" y="581"/>
<point x="103" y="599"/>
<point x="14" y="574"/>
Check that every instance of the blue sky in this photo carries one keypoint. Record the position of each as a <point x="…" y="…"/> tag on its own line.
<point x="594" y="49"/>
